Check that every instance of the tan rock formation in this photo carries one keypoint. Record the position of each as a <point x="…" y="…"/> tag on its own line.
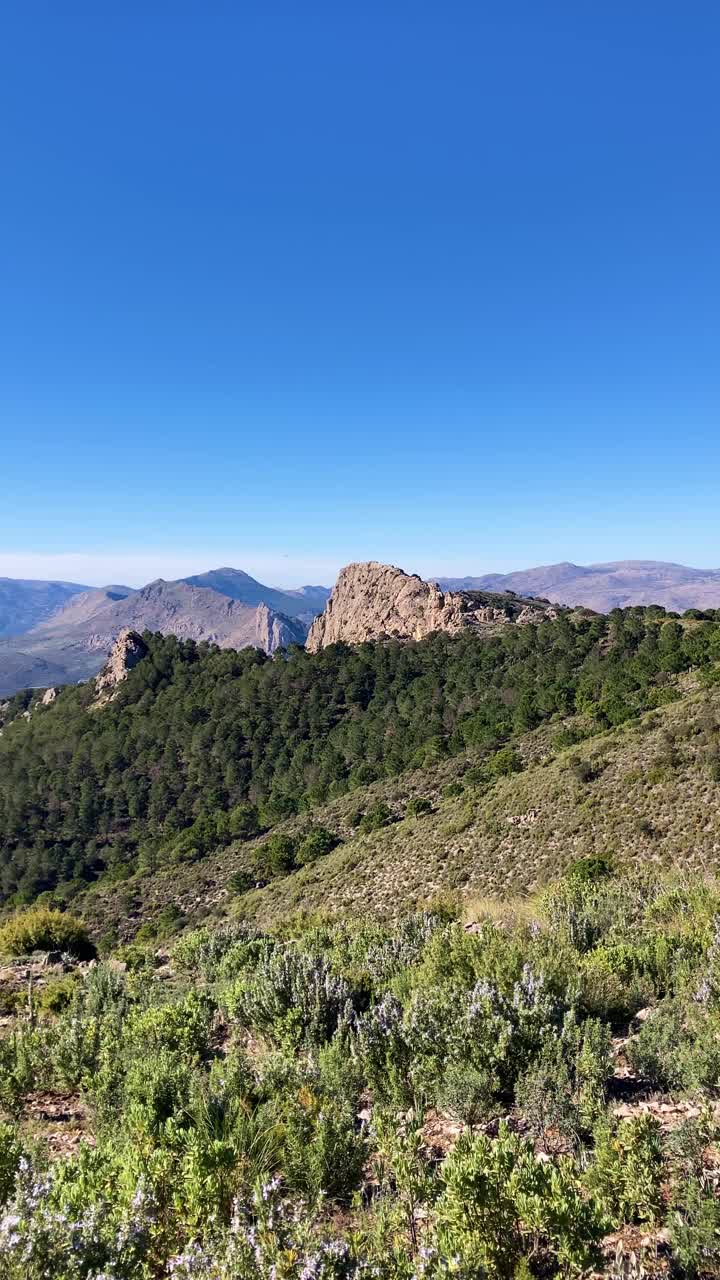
<point x="374" y="601"/>
<point x="129" y="648"/>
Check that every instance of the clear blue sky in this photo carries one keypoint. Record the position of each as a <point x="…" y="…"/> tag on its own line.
<point x="288" y="284"/>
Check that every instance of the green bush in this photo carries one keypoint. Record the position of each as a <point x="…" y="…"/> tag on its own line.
<point x="678" y="1047"/>
<point x="324" y="1154"/>
<point x="241" y="882"/>
<point x="500" y="1206"/>
<point x="42" y="929"/>
<point x="504" y="762"/>
<point x="10" y="1153"/>
<point x="590" y="869"/>
<point x="276" y="857"/>
<point x="418" y="806"/>
<point x="376" y="818"/>
<point x="315" y="843"/>
<point x="626" y="1174"/>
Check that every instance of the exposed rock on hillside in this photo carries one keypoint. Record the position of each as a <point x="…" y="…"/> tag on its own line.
<point x="127" y="651"/>
<point x="275" y="631"/>
<point x="376" y="601"/>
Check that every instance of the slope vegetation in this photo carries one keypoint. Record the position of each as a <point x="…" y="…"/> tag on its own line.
<point x="646" y="792"/>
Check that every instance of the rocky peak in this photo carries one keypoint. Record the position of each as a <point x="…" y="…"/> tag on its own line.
<point x="374" y="601"/>
<point x="276" y="631"/>
<point x="129" y="648"/>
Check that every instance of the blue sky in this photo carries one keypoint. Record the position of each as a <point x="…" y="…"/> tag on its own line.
<point x="286" y="285"/>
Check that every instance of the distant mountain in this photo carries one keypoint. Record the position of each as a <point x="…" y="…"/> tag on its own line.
<point x="612" y="585"/>
<point x="24" y="602"/>
<point x="224" y="606"/>
<point x="302" y="602"/>
<point x="83" y="606"/>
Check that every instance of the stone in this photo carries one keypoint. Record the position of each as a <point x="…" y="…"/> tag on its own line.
<point x="129" y="649"/>
<point x="373" y="601"/>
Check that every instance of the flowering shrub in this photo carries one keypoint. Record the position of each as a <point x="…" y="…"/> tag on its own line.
<point x="43" y="1234"/>
<point x="269" y="1238"/>
<point x="325" y="1102"/>
<point x="293" y="995"/>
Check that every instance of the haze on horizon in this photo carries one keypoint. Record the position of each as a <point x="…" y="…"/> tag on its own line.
<point x="287" y="573"/>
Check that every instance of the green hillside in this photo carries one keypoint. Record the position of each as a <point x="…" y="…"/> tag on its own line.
<point x="645" y="792"/>
<point x="201" y="748"/>
<point x="450" y="1009"/>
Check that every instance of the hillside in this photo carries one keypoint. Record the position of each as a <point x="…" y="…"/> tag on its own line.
<point x="224" y="606"/>
<point x="615" y="585"/>
<point x="448" y="996"/>
<point x="645" y="793"/>
<point x="200" y="745"/>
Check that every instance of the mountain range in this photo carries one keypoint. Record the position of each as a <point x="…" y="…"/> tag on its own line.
<point x="55" y="632"/>
<point x="71" y="641"/>
<point x="616" y="584"/>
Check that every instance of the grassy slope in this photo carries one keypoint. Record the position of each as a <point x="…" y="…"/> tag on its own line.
<point x="652" y="797"/>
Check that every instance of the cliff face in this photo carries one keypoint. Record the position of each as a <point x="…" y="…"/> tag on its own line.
<point x="275" y="631"/>
<point x="379" y="601"/>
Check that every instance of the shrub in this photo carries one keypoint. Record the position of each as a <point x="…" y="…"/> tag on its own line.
<point x="626" y="1174"/>
<point x="376" y="818"/>
<point x="418" y="805"/>
<point x="241" y="882"/>
<point x="316" y="842"/>
<point x="582" y="771"/>
<point x="679" y="1047"/>
<point x="42" y="929"/>
<point x="467" y="1093"/>
<point x="10" y="1153"/>
<point x="504" y="762"/>
<point x="590" y="869"/>
<point x="243" y="822"/>
<point x="545" y="1098"/>
<point x="276" y="857"/>
<point x="500" y="1205"/>
<point x="183" y="1027"/>
<point x="608" y="990"/>
<point x="323" y="1152"/>
<point x="57" y="994"/>
<point x="293" y="995"/>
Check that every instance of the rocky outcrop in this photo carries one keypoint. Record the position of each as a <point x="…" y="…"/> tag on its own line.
<point x="379" y="601"/>
<point x="129" y="649"/>
<point x="275" y="631"/>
